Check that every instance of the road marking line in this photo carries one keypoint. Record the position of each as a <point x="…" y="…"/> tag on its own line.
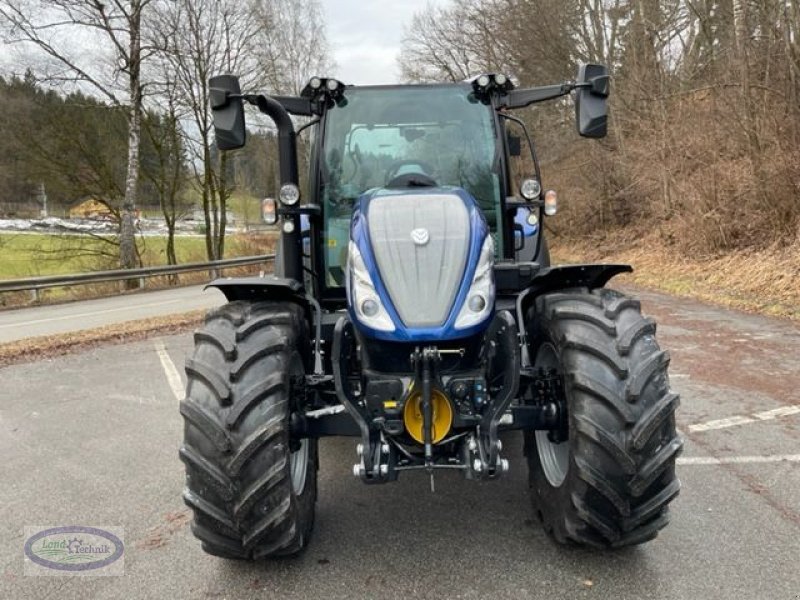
<point x="173" y="377"/>
<point x="737" y="460"/>
<point x="721" y="423"/>
<point x="767" y="415"/>
<point x="783" y="411"/>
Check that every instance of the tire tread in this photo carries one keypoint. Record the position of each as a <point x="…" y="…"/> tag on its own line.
<point x="236" y="432"/>
<point x="621" y="413"/>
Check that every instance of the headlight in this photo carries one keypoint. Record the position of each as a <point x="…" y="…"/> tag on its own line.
<point x="530" y="189"/>
<point x="480" y="297"/>
<point x="289" y="194"/>
<point x="361" y="293"/>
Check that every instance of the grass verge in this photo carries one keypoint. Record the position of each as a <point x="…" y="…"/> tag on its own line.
<point x="35" y="254"/>
<point x="39" y="348"/>
<point x="28" y="255"/>
<point x="764" y="281"/>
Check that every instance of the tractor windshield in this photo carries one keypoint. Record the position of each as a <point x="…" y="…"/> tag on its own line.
<point x="383" y="133"/>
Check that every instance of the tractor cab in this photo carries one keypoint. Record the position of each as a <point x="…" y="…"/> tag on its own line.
<point x="410" y="183"/>
<point x="405" y="140"/>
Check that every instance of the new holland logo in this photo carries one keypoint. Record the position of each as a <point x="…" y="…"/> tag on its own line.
<point x="420" y="236"/>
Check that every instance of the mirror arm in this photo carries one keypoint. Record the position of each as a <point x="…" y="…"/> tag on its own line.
<point x="292" y="104"/>
<point x="527" y="96"/>
<point x="295" y="105"/>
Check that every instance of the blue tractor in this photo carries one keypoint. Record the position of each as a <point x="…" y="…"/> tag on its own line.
<point x="414" y="308"/>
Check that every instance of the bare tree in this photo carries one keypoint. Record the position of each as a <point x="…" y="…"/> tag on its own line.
<point x="272" y="45"/>
<point x="167" y="173"/>
<point x="199" y="39"/>
<point x="292" y="45"/>
<point x="437" y="46"/>
<point x="704" y="116"/>
<point x="118" y="24"/>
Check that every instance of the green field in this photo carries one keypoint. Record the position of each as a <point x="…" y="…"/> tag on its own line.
<point x="244" y="207"/>
<point x="29" y="255"/>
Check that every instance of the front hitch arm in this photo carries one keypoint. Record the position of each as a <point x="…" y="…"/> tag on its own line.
<point x="370" y="447"/>
<point x="506" y="333"/>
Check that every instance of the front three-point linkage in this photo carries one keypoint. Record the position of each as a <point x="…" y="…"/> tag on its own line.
<point x="376" y="458"/>
<point x="482" y="451"/>
<point x="424" y="362"/>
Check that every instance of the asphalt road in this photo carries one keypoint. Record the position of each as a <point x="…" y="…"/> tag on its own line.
<point x="53" y="319"/>
<point x="92" y="439"/>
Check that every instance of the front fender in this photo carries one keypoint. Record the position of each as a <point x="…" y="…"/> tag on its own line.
<point x="255" y="289"/>
<point x="571" y="276"/>
<point x="277" y="289"/>
<point x="553" y="279"/>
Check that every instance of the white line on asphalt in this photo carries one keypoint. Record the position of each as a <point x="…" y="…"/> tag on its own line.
<point x="737" y="460"/>
<point x="720" y="423"/>
<point x="781" y="411"/>
<point x="90" y="314"/>
<point x="173" y="377"/>
<point x="767" y="415"/>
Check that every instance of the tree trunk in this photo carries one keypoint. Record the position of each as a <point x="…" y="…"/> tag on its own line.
<point x="793" y="71"/>
<point x="127" y="240"/>
<point x="171" y="258"/>
<point x="206" y="193"/>
<point x="742" y="37"/>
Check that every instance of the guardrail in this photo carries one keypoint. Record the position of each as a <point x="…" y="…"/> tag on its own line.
<point x="34" y="284"/>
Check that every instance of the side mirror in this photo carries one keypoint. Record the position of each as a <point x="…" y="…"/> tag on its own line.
<point x="591" y="102"/>
<point x="228" y="111"/>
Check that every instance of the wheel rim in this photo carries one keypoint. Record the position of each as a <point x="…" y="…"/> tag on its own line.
<point x="553" y="457"/>
<point x="298" y="465"/>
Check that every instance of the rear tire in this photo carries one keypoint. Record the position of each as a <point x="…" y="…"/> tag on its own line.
<point x="609" y="483"/>
<point x="252" y="489"/>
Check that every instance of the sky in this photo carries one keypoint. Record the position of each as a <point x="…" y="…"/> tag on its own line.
<point x="365" y="36"/>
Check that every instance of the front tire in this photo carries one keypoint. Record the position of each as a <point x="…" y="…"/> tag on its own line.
<point x="252" y="487"/>
<point x="609" y="483"/>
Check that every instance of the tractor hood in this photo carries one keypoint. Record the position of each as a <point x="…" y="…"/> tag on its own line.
<point x="420" y="265"/>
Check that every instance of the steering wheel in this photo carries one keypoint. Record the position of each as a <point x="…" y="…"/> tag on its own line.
<point x="425" y="169"/>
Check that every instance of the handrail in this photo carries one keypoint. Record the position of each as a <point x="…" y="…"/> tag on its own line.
<point x="50" y="281"/>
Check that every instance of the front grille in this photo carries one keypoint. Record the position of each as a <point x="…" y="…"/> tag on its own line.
<point x="422" y="278"/>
